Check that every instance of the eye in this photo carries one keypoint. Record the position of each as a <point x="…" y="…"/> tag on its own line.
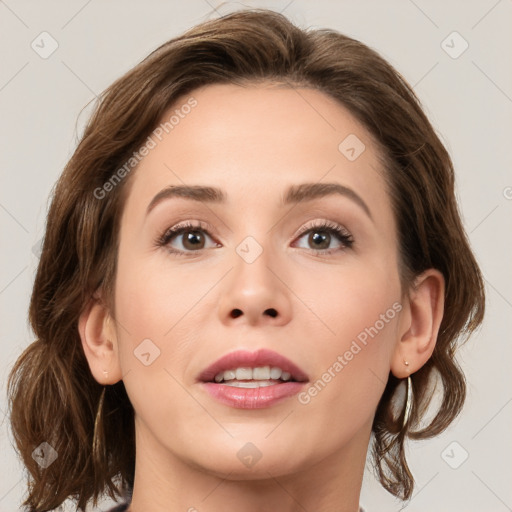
<point x="188" y="237"/>
<point x="321" y="236"/>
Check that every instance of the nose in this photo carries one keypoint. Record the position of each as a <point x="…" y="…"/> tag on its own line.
<point x="255" y="293"/>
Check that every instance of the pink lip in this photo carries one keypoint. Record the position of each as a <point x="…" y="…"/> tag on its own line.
<point x="243" y="358"/>
<point x="257" y="398"/>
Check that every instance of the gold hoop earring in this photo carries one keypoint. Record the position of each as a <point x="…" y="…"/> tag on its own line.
<point x="408" y="402"/>
<point x="96" y="442"/>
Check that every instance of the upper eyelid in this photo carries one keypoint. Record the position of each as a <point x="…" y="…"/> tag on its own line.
<point x="321" y="223"/>
<point x="202" y="225"/>
<point x="208" y="228"/>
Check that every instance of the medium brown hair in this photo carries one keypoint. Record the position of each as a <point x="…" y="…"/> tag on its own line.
<point x="53" y="395"/>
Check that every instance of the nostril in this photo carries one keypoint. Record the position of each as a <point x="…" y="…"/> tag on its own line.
<point x="272" y="312"/>
<point x="235" y="313"/>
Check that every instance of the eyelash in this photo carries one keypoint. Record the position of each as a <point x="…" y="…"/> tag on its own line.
<point x="339" y="232"/>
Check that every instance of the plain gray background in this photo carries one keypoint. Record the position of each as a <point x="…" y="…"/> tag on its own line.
<point x="468" y="98"/>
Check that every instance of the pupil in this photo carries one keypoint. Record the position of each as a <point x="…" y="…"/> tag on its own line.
<point x="192" y="237"/>
<point x="315" y="237"/>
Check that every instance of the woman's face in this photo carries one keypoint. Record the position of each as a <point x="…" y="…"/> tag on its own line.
<point x="257" y="270"/>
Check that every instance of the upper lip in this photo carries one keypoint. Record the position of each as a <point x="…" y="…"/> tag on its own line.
<point x="244" y="358"/>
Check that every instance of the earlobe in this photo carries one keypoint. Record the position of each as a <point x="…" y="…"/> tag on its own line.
<point x="99" y="342"/>
<point x="419" y="331"/>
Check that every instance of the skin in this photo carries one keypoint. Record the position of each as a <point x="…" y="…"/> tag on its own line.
<point x="253" y="142"/>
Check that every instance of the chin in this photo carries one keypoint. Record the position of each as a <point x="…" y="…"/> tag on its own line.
<point x="252" y="460"/>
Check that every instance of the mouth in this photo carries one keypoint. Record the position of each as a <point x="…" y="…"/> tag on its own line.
<point x="262" y="366"/>
<point x="252" y="380"/>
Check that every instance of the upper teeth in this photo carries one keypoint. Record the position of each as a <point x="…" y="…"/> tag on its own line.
<point x="259" y="373"/>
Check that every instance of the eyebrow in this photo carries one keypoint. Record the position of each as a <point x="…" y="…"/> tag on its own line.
<point x="293" y="195"/>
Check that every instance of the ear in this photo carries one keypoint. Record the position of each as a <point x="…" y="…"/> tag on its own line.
<point x="419" y="325"/>
<point x="99" y="341"/>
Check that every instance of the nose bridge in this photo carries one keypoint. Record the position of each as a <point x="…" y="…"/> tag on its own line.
<point x="253" y="292"/>
<point x="254" y="247"/>
<point x="252" y="263"/>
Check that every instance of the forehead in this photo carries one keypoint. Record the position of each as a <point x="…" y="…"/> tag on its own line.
<point x="258" y="140"/>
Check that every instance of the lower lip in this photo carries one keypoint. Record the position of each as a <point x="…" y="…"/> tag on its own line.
<point x="252" y="398"/>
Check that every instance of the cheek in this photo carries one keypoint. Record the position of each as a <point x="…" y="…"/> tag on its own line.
<point x="350" y="381"/>
<point x="153" y="314"/>
<point x="153" y="299"/>
<point x="158" y="310"/>
<point x="349" y="300"/>
<point x="360" y="312"/>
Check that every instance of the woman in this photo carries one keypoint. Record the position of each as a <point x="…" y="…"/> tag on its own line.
<point x="254" y="269"/>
